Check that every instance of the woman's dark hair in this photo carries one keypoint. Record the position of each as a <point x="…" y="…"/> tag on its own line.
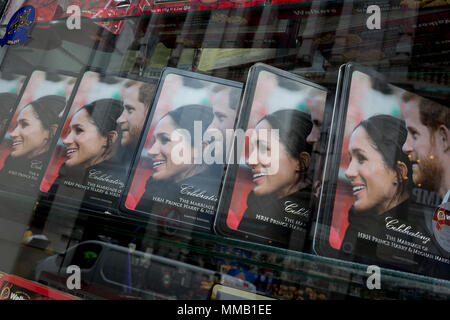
<point x="293" y="126"/>
<point x="7" y="101"/>
<point x="47" y="109"/>
<point x="388" y="134"/>
<point x="185" y="116"/>
<point x="104" y="113"/>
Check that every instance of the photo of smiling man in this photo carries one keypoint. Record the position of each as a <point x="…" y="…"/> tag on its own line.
<point x="428" y="143"/>
<point x="428" y="147"/>
<point x="137" y="99"/>
<point x="225" y="103"/>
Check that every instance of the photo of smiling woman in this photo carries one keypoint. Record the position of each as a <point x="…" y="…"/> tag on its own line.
<point x="91" y="172"/>
<point x="181" y="190"/>
<point x="31" y="139"/>
<point x="278" y="205"/>
<point x="380" y="175"/>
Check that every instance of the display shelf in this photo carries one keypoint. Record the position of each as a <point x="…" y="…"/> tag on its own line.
<point x="284" y="265"/>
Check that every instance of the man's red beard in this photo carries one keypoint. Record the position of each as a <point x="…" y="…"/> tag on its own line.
<point x="429" y="174"/>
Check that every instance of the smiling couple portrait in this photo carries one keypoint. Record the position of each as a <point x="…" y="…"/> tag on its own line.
<point x="388" y="158"/>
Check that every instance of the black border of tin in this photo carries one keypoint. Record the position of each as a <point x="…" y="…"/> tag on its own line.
<point x="69" y="202"/>
<point x="34" y="192"/>
<point x="220" y="226"/>
<point x="150" y="217"/>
